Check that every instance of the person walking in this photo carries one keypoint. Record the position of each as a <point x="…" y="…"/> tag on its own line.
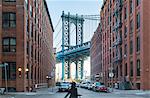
<point x="73" y="91"/>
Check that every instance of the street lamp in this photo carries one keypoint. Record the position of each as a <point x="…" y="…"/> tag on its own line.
<point x="19" y="69"/>
<point x="27" y="70"/>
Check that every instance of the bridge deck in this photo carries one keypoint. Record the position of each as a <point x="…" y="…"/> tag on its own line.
<point x="74" y="52"/>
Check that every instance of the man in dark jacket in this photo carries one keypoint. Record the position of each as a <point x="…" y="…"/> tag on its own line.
<point x="73" y="91"/>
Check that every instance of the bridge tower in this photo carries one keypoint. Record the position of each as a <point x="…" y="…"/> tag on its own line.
<point x="67" y="20"/>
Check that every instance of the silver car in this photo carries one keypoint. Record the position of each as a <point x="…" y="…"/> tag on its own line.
<point x="64" y="86"/>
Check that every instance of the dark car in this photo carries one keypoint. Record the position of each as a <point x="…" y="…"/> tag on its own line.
<point x="64" y="86"/>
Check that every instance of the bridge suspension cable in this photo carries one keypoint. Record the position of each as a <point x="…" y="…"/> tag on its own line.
<point x="57" y="33"/>
<point x="57" y="23"/>
<point x="58" y="43"/>
<point x="92" y="17"/>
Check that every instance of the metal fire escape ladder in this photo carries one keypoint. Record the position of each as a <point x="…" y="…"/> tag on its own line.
<point x="118" y="15"/>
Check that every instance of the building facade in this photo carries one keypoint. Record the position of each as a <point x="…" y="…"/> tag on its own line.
<point x="125" y="38"/>
<point x="26" y="44"/>
<point x="96" y="55"/>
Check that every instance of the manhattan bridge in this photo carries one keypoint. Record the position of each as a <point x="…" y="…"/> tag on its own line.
<point x="74" y="44"/>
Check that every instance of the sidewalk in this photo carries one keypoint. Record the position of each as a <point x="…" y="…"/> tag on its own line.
<point x="135" y="92"/>
<point x="51" y="90"/>
<point x="40" y="91"/>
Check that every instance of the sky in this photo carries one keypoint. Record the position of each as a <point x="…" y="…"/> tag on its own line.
<point x="80" y="7"/>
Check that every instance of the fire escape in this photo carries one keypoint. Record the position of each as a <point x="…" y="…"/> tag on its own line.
<point x="124" y="84"/>
<point x="117" y="29"/>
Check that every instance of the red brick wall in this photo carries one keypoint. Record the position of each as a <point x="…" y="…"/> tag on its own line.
<point x="40" y="64"/>
<point x="143" y="55"/>
<point x="96" y="55"/>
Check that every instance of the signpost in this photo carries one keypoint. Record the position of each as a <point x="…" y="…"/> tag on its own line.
<point x="4" y="65"/>
<point x="111" y="75"/>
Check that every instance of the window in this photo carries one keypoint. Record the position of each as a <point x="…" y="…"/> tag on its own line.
<point x="28" y="48"/>
<point x="138" y="20"/>
<point x="131" y="68"/>
<point x="108" y="20"/>
<point x="138" y="68"/>
<point x="11" y="71"/>
<point x="131" y="6"/>
<point x="9" y="0"/>
<point x="138" y="44"/>
<point x="126" y="68"/>
<point x="131" y="47"/>
<point x="138" y="2"/>
<point x="121" y="52"/>
<point x="125" y="49"/>
<point x="131" y="26"/>
<point x="117" y="72"/>
<point x="32" y="51"/>
<point x="9" y="20"/>
<point x="125" y="31"/>
<point x="9" y="44"/>
<point x="125" y="13"/>
<point x="120" y="70"/>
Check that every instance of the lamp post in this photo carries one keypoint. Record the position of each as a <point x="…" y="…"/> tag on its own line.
<point x="48" y="77"/>
<point x="111" y="75"/>
<point x="4" y="65"/>
<point x="27" y="77"/>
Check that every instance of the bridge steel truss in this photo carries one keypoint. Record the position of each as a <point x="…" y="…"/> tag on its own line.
<point x="64" y="55"/>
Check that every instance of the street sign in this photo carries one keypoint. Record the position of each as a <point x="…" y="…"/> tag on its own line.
<point x="1" y="65"/>
<point x="111" y="74"/>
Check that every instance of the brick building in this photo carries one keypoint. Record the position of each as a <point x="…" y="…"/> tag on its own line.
<point x="125" y="43"/>
<point x="96" y="55"/>
<point x="26" y="44"/>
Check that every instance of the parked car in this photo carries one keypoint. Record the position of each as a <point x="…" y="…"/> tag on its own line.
<point x="82" y="85"/>
<point x="77" y="84"/>
<point x="90" y="86"/>
<point x="96" y="86"/>
<point x="85" y="85"/>
<point x="64" y="86"/>
<point x="103" y="88"/>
